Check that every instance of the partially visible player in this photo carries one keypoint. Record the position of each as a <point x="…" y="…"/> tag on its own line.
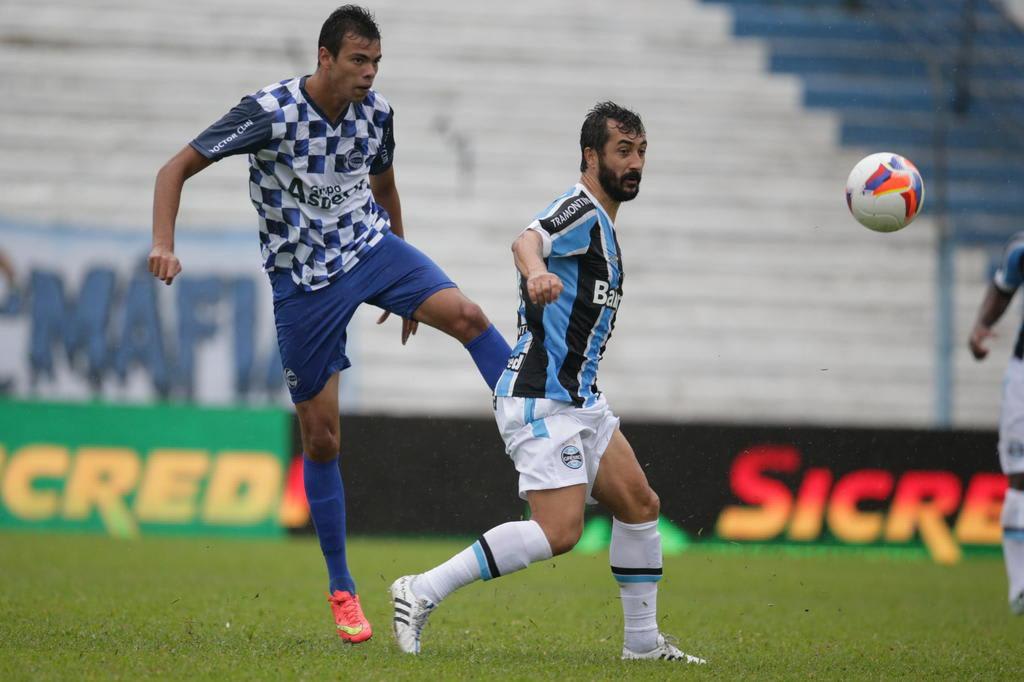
<point x="557" y="426"/>
<point x="9" y="303"/>
<point x="321" y="177"/>
<point x="1006" y="281"/>
<point x="6" y="269"/>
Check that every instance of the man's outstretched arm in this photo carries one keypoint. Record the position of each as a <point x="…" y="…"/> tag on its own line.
<point x="164" y="265"/>
<point x="992" y="308"/>
<point x="542" y="286"/>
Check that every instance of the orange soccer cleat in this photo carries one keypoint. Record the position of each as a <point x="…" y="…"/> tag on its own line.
<point x="348" y="615"/>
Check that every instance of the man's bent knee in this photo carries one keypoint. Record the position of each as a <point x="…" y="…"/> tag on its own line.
<point x="471" y="322"/>
<point x="321" y="442"/>
<point x="644" y="505"/>
<point x="450" y="311"/>
<point x="650" y="505"/>
<point x="562" y="536"/>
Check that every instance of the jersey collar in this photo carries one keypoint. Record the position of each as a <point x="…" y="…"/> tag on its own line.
<point x="597" y="204"/>
<point x="314" y="107"/>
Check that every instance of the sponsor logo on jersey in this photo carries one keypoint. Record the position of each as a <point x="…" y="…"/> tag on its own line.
<point x="572" y="457"/>
<point x="556" y="222"/>
<point x="324" y="196"/>
<point x="605" y="295"/>
<point x="240" y="130"/>
<point x="515" y="363"/>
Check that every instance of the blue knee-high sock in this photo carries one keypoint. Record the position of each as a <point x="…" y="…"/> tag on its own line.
<point x="490" y="353"/>
<point x="326" y="496"/>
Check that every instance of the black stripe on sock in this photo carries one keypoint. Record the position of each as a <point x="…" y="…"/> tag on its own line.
<point x="491" y="565"/>
<point x="636" y="571"/>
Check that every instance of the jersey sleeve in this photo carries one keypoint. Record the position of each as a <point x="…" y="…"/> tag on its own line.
<point x="1009" y="275"/>
<point x="565" y="229"/>
<point x="245" y="129"/>
<point x="386" y="152"/>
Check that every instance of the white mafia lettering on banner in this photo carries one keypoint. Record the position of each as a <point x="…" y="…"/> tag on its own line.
<point x="97" y="331"/>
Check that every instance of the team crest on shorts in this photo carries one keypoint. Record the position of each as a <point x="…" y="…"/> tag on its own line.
<point x="290" y="378"/>
<point x="572" y="457"/>
<point x="1015" y="449"/>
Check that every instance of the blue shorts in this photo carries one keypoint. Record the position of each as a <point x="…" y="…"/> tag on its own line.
<point x="395" y="276"/>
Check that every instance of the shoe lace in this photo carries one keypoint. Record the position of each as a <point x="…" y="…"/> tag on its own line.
<point x="349" y="608"/>
<point x="670" y="640"/>
<point x="673" y="643"/>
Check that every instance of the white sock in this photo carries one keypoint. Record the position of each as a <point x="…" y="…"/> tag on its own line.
<point x="640" y="615"/>
<point x="501" y="550"/>
<point x="1013" y="540"/>
<point x="635" y="557"/>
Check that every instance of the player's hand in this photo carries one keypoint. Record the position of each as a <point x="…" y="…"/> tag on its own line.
<point x="543" y="288"/>
<point x="409" y="327"/>
<point x="164" y="265"/>
<point x="977" y="342"/>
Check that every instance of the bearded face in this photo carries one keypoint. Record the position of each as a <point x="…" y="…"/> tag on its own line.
<point x="620" y="186"/>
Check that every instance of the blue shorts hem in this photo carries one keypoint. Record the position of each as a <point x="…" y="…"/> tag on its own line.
<point x="337" y="366"/>
<point x="427" y="294"/>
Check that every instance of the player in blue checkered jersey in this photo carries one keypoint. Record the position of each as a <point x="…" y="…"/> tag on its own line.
<point x="1005" y="282"/>
<point x="321" y="149"/>
<point x="557" y="426"/>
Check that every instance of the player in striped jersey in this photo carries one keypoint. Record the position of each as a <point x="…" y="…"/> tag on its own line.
<point x="320" y="151"/>
<point x="1007" y="279"/>
<point x="557" y="426"/>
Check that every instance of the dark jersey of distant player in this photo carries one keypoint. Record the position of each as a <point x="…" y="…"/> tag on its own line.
<point x="561" y="344"/>
<point x="1009" y="277"/>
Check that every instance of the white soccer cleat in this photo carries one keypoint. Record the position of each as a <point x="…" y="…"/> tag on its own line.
<point x="665" y="651"/>
<point x="1017" y="604"/>
<point x="411" y="613"/>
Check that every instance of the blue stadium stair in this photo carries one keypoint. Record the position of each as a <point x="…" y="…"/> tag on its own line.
<point x="887" y="67"/>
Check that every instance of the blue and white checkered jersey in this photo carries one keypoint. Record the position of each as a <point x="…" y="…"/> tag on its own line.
<point x="309" y="176"/>
<point x="1009" y="276"/>
<point x="561" y="344"/>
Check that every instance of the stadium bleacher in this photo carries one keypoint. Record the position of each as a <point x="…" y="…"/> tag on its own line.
<point x="888" y="67"/>
<point x="751" y="295"/>
<point x="923" y="78"/>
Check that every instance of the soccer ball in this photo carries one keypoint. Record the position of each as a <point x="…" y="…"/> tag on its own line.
<point x="885" y="192"/>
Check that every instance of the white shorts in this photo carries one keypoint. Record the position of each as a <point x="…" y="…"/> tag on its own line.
<point x="552" y="443"/>
<point x="1011" y="420"/>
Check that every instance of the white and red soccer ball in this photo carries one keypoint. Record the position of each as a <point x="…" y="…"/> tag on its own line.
<point x="885" y="192"/>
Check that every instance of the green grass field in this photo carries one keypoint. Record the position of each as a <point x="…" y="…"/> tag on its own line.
<point x="82" y="606"/>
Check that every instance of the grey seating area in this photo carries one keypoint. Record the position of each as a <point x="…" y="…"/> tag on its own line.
<point x="750" y="293"/>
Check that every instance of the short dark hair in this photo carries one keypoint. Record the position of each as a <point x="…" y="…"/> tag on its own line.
<point x="595" y="127"/>
<point x="347" y="19"/>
